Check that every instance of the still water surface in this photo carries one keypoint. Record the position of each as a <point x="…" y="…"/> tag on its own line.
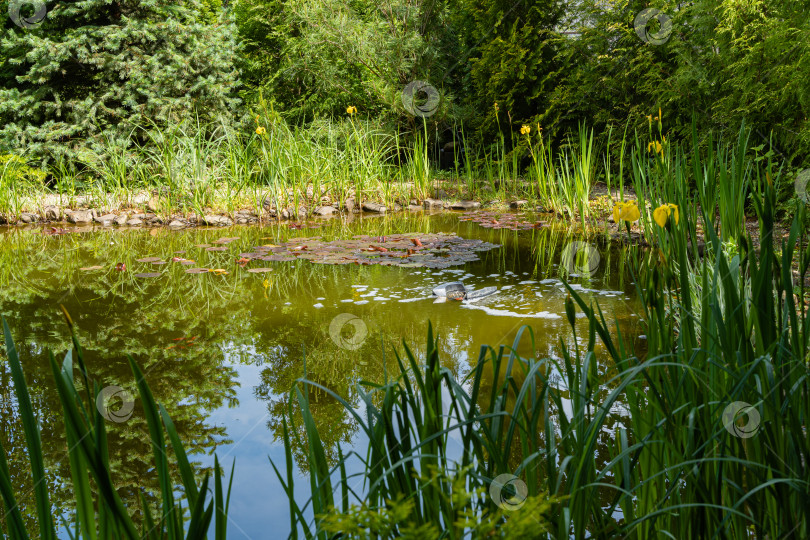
<point x="222" y="351"/>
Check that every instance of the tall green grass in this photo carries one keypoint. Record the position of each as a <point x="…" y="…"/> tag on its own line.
<point x="199" y="168"/>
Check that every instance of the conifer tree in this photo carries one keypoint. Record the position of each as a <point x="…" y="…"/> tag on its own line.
<point x="108" y="66"/>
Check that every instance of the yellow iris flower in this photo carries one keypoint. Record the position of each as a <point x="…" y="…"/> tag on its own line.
<point x="260" y="130"/>
<point x="525" y="130"/>
<point x="662" y="213"/>
<point x="351" y="110"/>
<point x="626" y="211"/>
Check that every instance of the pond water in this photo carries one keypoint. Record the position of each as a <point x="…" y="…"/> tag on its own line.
<point x="221" y="350"/>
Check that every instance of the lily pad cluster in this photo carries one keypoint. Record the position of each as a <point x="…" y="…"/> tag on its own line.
<point x="425" y="250"/>
<point x="500" y="220"/>
<point x="439" y="250"/>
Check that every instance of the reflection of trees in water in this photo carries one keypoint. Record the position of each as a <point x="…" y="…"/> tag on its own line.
<point x="188" y="378"/>
<point x="339" y="370"/>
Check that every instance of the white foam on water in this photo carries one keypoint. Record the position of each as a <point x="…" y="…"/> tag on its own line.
<point x="347" y="300"/>
<point x="414" y="299"/>
<point x="509" y="313"/>
<point x="361" y="302"/>
<point x="380" y="298"/>
<point x="318" y="305"/>
<point x="527" y="282"/>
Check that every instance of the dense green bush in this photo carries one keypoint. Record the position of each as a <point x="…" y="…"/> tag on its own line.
<point x="724" y="62"/>
<point x="513" y="60"/>
<point x="318" y="58"/>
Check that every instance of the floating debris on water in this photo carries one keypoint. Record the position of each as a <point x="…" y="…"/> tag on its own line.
<point x="501" y="220"/>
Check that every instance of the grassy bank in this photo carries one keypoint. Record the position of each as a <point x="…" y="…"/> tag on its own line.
<point x="282" y="171"/>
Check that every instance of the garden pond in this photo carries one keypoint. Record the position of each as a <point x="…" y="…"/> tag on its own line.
<point x="223" y="321"/>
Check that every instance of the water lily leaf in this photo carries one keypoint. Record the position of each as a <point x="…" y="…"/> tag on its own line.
<point x="259" y="270"/>
<point x="502" y="220"/>
<point x="223" y="248"/>
<point x="197" y="271"/>
<point x="149" y="259"/>
<point x="148" y="275"/>
<point x="89" y="268"/>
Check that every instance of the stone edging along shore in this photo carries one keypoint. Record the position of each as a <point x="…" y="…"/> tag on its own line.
<point x="148" y="216"/>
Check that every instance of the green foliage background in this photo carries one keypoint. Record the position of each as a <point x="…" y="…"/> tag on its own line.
<point x="96" y="66"/>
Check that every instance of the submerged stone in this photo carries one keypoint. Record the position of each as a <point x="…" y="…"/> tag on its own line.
<point x="456" y="290"/>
